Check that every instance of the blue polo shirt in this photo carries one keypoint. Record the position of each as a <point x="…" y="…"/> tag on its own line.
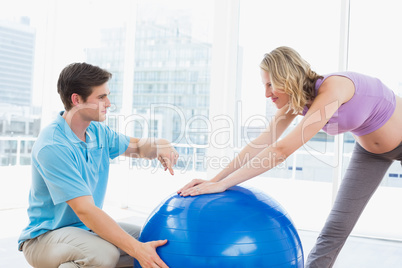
<point x="63" y="168"/>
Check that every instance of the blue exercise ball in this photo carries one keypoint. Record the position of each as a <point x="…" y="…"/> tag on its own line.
<point x="241" y="227"/>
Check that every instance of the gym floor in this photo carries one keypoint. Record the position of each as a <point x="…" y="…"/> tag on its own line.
<point x="358" y="252"/>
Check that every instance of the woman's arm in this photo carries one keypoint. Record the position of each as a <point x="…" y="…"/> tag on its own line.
<point x="277" y="126"/>
<point x="332" y="94"/>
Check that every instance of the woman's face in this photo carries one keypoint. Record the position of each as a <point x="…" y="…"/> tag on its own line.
<point x="277" y="96"/>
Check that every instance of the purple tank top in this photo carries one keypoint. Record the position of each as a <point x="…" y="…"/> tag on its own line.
<point x="370" y="107"/>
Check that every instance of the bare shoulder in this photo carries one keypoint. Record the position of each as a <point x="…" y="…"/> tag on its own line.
<point x="341" y="87"/>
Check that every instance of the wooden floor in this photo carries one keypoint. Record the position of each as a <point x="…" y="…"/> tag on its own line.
<point x="357" y="253"/>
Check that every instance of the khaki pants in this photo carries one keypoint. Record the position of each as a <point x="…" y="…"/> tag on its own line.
<point x="72" y="247"/>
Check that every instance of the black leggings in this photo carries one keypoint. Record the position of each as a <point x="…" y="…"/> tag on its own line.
<point x="363" y="176"/>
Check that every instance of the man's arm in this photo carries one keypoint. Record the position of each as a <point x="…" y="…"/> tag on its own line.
<point x="103" y="225"/>
<point x="151" y="148"/>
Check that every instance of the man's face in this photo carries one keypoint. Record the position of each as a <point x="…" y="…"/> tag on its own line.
<point x="95" y="107"/>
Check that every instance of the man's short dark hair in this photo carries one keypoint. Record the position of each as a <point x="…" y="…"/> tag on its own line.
<point x="80" y="78"/>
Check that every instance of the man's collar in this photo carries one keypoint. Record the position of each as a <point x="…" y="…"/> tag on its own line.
<point x="68" y="131"/>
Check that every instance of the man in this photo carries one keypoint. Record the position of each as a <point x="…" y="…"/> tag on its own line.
<point x="70" y="164"/>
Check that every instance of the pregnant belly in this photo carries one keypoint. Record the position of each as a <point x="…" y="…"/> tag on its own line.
<point x="387" y="137"/>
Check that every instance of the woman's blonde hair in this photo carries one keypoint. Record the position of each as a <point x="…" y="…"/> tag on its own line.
<point x="292" y="74"/>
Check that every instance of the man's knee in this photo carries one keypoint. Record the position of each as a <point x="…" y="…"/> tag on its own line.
<point x="104" y="256"/>
<point x="68" y="265"/>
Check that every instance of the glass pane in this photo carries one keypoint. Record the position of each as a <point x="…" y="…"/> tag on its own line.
<point x="375" y="49"/>
<point x="265" y="25"/>
<point x="36" y="43"/>
<point x="173" y="45"/>
<point x="260" y="16"/>
<point x="170" y="92"/>
<point x="25" y="151"/>
<point x="97" y="35"/>
<point x="369" y="38"/>
<point x="20" y="110"/>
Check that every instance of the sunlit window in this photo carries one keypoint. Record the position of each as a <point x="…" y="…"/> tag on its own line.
<point x="162" y="54"/>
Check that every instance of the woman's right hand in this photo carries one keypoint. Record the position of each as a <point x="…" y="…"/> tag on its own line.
<point x="146" y="254"/>
<point x="199" y="186"/>
<point x="191" y="184"/>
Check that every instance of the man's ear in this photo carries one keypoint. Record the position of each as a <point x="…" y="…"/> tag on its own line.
<point x="75" y="99"/>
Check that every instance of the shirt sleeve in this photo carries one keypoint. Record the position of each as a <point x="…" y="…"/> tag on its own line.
<point x="60" y="171"/>
<point x="117" y="142"/>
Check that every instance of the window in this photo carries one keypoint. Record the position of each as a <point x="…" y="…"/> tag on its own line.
<point x="20" y="109"/>
<point x="375" y="49"/>
<point x="169" y="57"/>
<point x="263" y="26"/>
<point x="379" y="56"/>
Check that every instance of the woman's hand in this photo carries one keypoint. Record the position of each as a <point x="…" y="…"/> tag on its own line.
<point x="146" y="254"/>
<point x="199" y="186"/>
<point x="167" y="155"/>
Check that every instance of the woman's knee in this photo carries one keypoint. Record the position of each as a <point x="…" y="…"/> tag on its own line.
<point x="133" y="230"/>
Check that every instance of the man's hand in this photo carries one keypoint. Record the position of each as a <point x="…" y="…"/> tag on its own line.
<point x="146" y="254"/>
<point x="103" y="225"/>
<point x="166" y="154"/>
